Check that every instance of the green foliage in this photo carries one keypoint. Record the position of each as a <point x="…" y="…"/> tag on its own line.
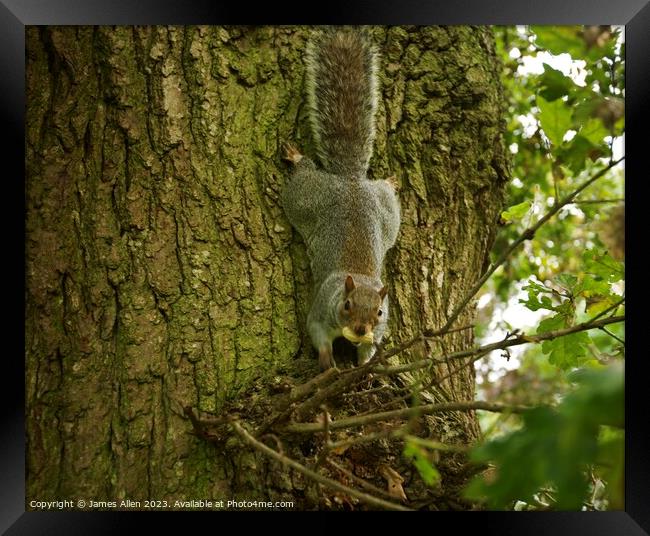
<point x="568" y="351"/>
<point x="565" y="117"/>
<point x="516" y="212"/>
<point x="559" y="447"/>
<point x="559" y="40"/>
<point x="555" y="119"/>
<point x="571" y="40"/>
<point x="422" y="461"/>
<point x="561" y="296"/>
<point x="553" y="84"/>
<point x="561" y="127"/>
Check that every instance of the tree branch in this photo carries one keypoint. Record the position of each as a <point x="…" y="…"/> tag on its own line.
<point x="506" y="343"/>
<point x="353" y="422"/>
<point x="598" y="201"/>
<point x="341" y="385"/>
<point x="424" y="336"/>
<point x="296" y="394"/>
<point x="609" y="309"/>
<point x="391" y="433"/>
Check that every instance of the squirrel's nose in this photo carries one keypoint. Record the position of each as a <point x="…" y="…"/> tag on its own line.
<point x="361" y="330"/>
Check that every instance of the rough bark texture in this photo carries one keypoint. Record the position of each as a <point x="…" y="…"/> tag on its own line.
<point x="161" y="271"/>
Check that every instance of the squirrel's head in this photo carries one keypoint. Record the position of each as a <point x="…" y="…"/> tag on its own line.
<point x="361" y="310"/>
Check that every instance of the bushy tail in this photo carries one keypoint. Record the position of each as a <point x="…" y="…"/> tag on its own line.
<point x="342" y="99"/>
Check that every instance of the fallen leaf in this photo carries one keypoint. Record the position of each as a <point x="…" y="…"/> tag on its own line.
<point x="394" y="481"/>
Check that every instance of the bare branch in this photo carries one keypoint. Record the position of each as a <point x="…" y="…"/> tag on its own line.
<point x="395" y="432"/>
<point x="424" y="336"/>
<point x="367" y="392"/>
<point x="325" y="450"/>
<point x="297" y="393"/>
<point x="342" y="384"/>
<point x="304" y="390"/>
<point x="352" y="422"/>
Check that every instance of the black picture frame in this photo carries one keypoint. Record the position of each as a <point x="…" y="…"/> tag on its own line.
<point x="16" y="14"/>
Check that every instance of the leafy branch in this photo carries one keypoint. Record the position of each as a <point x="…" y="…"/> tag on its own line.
<point x="528" y="234"/>
<point x="506" y="343"/>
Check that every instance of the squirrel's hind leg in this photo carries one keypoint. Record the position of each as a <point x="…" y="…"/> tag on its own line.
<point x="392" y="182"/>
<point x="291" y="153"/>
<point x="388" y="212"/>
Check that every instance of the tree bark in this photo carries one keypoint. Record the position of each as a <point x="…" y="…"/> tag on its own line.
<point x="162" y="273"/>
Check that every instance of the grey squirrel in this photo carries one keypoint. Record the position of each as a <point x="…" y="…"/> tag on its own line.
<point x="347" y="221"/>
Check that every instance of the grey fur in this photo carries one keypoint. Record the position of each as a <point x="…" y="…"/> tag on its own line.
<point x="341" y="85"/>
<point x="347" y="221"/>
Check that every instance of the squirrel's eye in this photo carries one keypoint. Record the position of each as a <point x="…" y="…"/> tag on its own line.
<point x="379" y="313"/>
<point x="347" y="305"/>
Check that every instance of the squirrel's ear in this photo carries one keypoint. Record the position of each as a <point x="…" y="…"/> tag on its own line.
<point x="383" y="291"/>
<point x="349" y="284"/>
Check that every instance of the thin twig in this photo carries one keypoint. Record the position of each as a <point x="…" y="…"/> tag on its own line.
<point x="423" y="337"/>
<point x="369" y="391"/>
<point x="363" y="483"/>
<point x="481" y="352"/>
<point x="297" y="393"/>
<point x="609" y="309"/>
<point x="199" y="426"/>
<point x="342" y="384"/>
<point x="613" y="336"/>
<point x="597" y="201"/>
<point x="528" y="234"/>
<point x="325" y="450"/>
<point x="304" y="390"/>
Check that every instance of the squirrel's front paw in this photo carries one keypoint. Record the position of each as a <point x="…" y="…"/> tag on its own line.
<point x="291" y="153"/>
<point x="325" y="359"/>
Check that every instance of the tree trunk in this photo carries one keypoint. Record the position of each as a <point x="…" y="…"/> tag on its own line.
<point x="162" y="273"/>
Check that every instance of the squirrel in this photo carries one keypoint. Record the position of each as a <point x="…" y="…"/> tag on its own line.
<point x="347" y="221"/>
